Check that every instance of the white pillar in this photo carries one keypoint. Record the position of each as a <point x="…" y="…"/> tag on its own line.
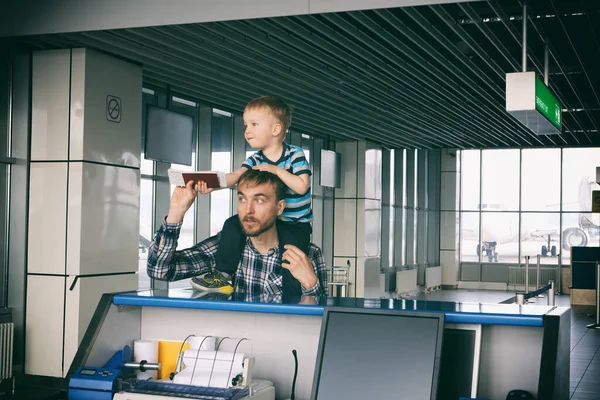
<point x="357" y="221"/>
<point x="84" y="193"/>
<point x="449" y="216"/>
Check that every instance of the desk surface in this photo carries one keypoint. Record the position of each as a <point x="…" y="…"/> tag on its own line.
<point x="464" y="313"/>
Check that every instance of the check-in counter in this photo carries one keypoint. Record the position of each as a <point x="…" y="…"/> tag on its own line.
<point x="511" y="346"/>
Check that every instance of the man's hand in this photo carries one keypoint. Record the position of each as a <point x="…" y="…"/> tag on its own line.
<point x="203" y="188"/>
<point x="268" y="168"/>
<point x="181" y="200"/>
<point x="300" y="266"/>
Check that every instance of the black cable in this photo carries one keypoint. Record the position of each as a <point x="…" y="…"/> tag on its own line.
<point x="295" y="353"/>
<point x="196" y="360"/>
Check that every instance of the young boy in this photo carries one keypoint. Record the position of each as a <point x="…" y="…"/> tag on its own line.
<point x="267" y="120"/>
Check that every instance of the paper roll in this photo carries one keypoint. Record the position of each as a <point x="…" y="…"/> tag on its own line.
<point x="168" y="354"/>
<point x="226" y="356"/>
<point x="146" y="350"/>
<point x="208" y="344"/>
<point x="221" y="379"/>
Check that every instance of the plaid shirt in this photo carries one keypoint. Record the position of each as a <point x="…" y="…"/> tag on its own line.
<point x="256" y="274"/>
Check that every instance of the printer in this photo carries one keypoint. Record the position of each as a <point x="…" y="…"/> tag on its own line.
<point x="213" y="375"/>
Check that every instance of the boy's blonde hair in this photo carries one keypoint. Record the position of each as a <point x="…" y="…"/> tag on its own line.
<point x="277" y="107"/>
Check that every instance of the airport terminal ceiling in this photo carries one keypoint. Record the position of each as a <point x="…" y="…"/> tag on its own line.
<point x="414" y="77"/>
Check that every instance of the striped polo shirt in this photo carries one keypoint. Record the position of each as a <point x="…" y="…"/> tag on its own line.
<point x="297" y="206"/>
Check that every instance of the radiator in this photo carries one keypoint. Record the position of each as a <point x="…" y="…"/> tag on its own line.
<point x="433" y="278"/>
<point x="6" y="350"/>
<point x="406" y="281"/>
<point x="516" y="276"/>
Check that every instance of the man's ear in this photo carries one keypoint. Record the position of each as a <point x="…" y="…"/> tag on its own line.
<point x="280" y="207"/>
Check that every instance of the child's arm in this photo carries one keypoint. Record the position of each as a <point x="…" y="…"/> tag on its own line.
<point x="298" y="183"/>
<point x="231" y="178"/>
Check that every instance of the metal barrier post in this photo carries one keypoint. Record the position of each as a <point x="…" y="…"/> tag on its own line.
<point x="551" y="294"/>
<point x="520" y="299"/>
<point x="597" y="324"/>
<point x="537" y="276"/>
<point x="527" y="274"/>
<point x="559" y="275"/>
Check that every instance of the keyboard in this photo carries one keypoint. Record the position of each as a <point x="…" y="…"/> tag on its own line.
<point x="185" y="391"/>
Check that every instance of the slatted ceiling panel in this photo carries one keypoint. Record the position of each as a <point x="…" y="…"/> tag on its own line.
<point x="475" y="110"/>
<point x="546" y="22"/>
<point x="418" y="77"/>
<point x="512" y="24"/>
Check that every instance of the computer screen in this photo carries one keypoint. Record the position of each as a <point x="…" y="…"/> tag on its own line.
<point x="459" y="367"/>
<point x="378" y="354"/>
<point x="168" y="136"/>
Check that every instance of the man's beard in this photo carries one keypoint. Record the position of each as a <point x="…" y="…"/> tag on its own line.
<point x="260" y="229"/>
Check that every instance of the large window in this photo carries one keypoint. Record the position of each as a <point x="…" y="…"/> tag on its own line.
<point x="500" y="180"/>
<point x="221" y="140"/>
<point x="471" y="180"/>
<point x="402" y="204"/>
<point x="146" y="230"/>
<point x="186" y="236"/>
<point x="146" y="198"/>
<point x="153" y="172"/>
<point x="533" y="201"/>
<point x="392" y="208"/>
<point x="579" y="225"/>
<point x="469" y="236"/>
<point x="540" y="173"/>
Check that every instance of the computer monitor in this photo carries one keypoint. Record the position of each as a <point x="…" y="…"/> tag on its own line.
<point x="459" y="368"/>
<point x="378" y="354"/>
<point x="169" y="136"/>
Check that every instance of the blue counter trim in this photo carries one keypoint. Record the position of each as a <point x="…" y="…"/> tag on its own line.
<point x="316" y="310"/>
<point x="198" y="304"/>
<point x="494" y="319"/>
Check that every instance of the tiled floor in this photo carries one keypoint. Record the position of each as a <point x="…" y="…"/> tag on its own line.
<point x="585" y="356"/>
<point x="585" y="343"/>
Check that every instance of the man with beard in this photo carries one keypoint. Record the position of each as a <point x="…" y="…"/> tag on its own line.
<point x="264" y="267"/>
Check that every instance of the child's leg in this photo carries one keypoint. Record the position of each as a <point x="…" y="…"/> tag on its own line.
<point x="297" y="234"/>
<point x="231" y="246"/>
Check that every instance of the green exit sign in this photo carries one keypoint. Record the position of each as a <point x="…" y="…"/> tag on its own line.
<point x="546" y="104"/>
<point x="530" y="101"/>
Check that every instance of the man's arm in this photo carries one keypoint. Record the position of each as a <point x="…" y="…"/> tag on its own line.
<point x="168" y="264"/>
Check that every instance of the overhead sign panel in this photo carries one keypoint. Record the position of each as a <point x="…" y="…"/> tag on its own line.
<point x="530" y="101"/>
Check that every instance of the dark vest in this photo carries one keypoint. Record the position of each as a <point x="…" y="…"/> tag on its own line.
<point x="291" y="286"/>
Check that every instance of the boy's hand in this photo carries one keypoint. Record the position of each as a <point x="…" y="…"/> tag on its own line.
<point x="300" y="266"/>
<point x="203" y="188"/>
<point x="268" y="168"/>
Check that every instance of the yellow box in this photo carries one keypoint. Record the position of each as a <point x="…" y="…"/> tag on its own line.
<point x="168" y="354"/>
